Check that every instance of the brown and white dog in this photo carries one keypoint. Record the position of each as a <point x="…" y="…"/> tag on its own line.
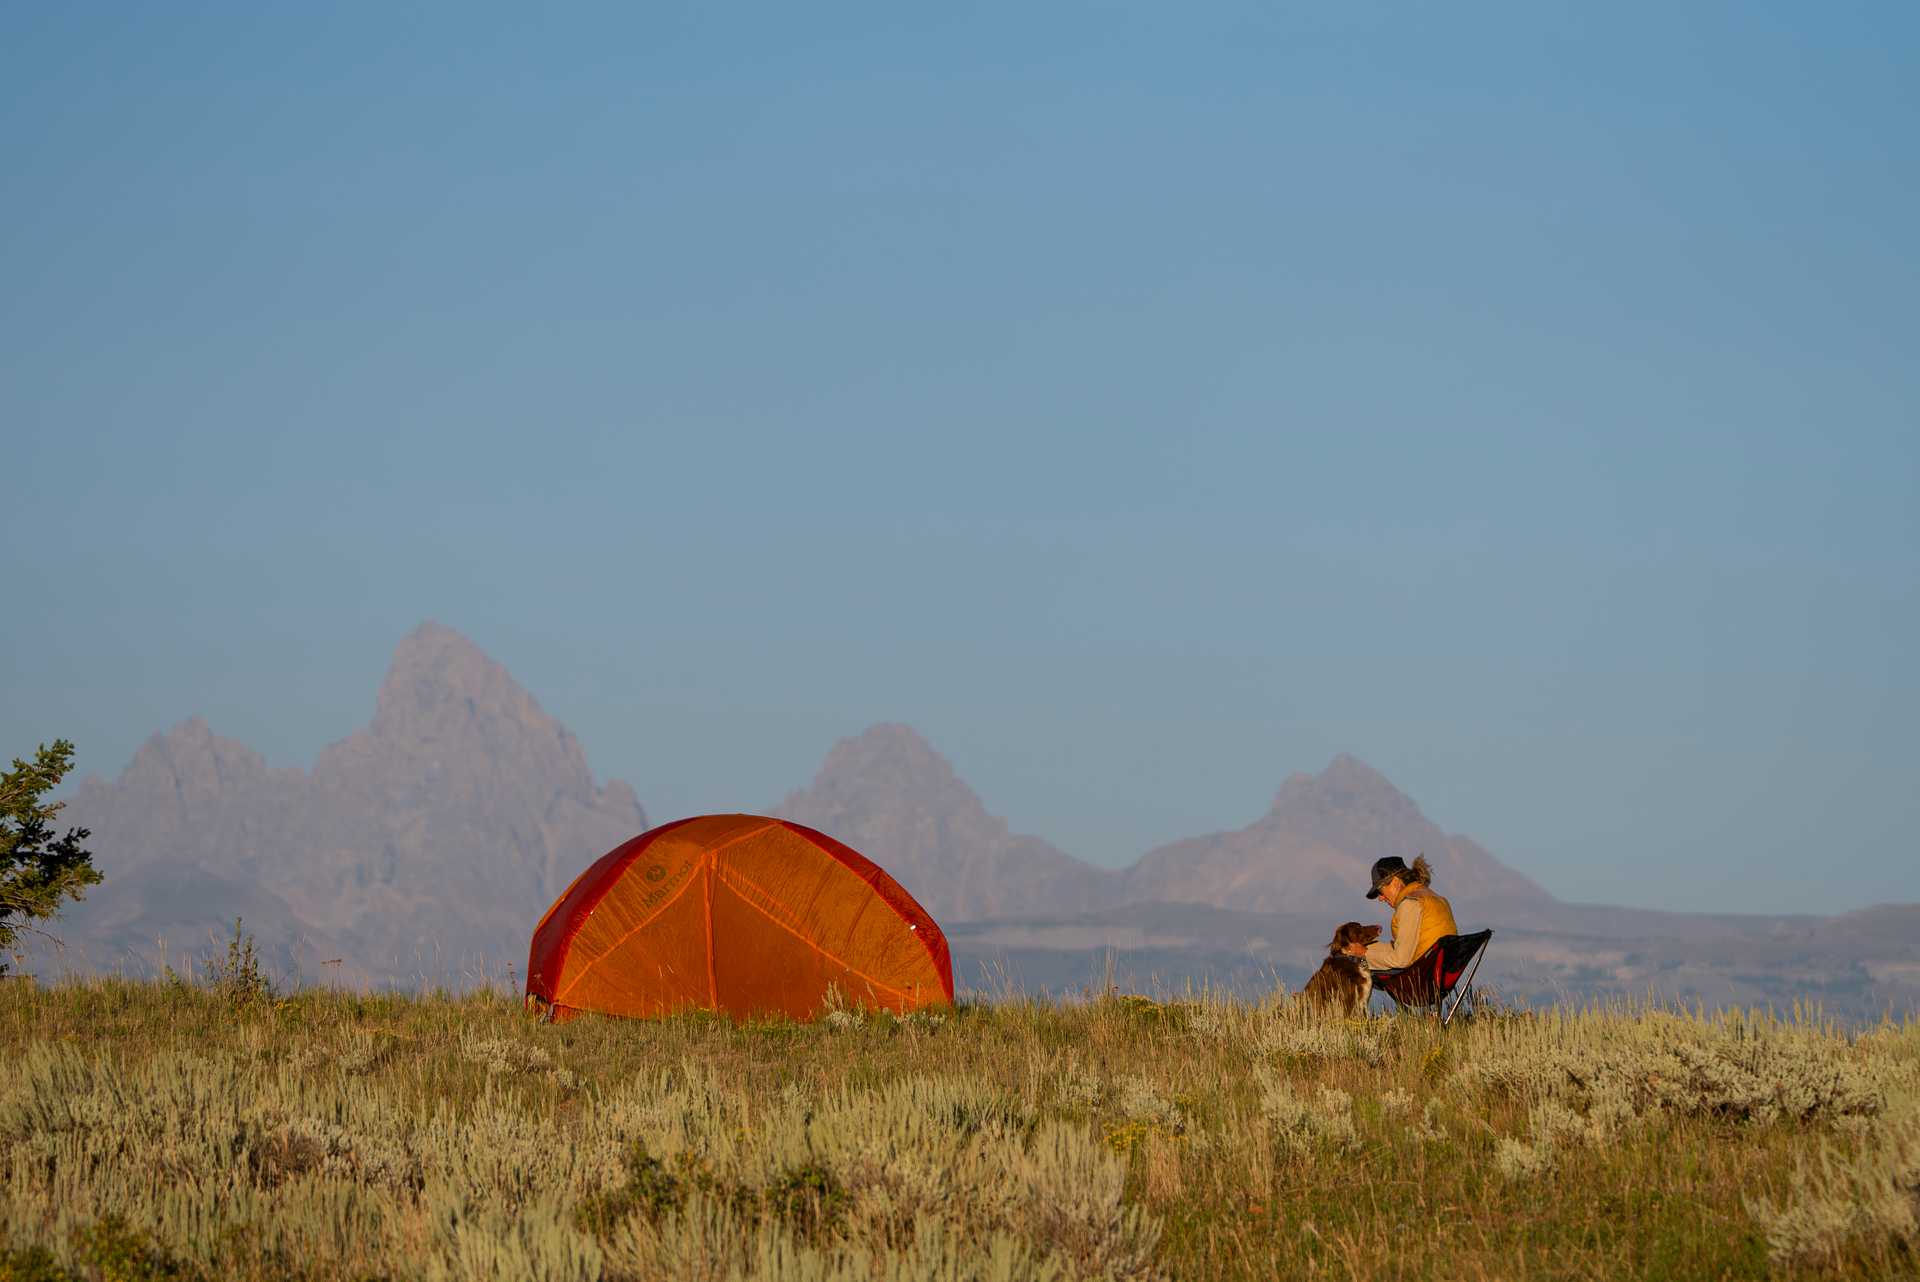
<point x="1342" y="985"/>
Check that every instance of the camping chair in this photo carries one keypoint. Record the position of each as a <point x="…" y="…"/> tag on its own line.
<point x="1429" y="978"/>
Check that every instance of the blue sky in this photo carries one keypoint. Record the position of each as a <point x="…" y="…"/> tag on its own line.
<point x="1144" y="402"/>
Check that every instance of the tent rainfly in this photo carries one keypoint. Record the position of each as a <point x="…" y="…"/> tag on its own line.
<point x="735" y="913"/>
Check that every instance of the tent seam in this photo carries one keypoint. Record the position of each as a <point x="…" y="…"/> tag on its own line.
<point x="713" y="981"/>
<point x="577" y="918"/>
<point x="843" y="964"/>
<point x="873" y="874"/>
<point x="675" y="898"/>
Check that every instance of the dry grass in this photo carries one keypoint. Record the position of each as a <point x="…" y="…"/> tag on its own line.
<point x="156" y="1131"/>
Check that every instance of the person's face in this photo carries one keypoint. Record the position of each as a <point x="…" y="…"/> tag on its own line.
<point x="1391" y="890"/>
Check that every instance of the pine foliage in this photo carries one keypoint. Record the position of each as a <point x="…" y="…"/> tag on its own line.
<point x="38" y="871"/>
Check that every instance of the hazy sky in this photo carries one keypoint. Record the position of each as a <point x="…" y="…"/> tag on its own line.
<point x="1144" y="402"/>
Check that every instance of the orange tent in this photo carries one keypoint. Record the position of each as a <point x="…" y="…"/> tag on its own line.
<point x="738" y="913"/>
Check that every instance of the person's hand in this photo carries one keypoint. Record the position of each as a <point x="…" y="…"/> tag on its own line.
<point x="1356" y="950"/>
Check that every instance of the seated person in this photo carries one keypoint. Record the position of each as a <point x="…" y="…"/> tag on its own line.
<point x="1420" y="917"/>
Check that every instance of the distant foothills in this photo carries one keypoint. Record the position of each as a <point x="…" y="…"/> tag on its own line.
<point x="422" y="849"/>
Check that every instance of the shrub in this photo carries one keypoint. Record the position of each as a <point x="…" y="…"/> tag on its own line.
<point x="1867" y="1199"/>
<point x="439" y="1138"/>
<point x="651" y="1190"/>
<point x="239" y="977"/>
<point x="1736" y="1068"/>
<point x="1299" y="1123"/>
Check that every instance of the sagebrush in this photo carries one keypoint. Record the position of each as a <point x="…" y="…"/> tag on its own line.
<point x="165" y="1131"/>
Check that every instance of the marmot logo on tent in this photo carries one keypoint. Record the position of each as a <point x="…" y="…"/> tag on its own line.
<point x="662" y="883"/>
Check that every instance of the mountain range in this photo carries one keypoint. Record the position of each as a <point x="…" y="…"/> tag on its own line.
<point x="424" y="847"/>
<point x="424" y="844"/>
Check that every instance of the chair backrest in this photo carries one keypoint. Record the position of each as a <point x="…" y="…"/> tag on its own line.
<point x="1432" y="975"/>
<point x="1453" y="954"/>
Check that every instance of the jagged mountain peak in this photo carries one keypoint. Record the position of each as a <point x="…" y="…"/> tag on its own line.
<point x="183" y="738"/>
<point x="194" y="728"/>
<point x="894" y="739"/>
<point x="433" y="643"/>
<point x="189" y="761"/>
<point x="1313" y="847"/>
<point x="462" y="804"/>
<point x="1348" y="771"/>
<point x="889" y="793"/>
<point x="892" y="759"/>
<point x="1346" y="787"/>
<point x="442" y="689"/>
<point x="434" y="665"/>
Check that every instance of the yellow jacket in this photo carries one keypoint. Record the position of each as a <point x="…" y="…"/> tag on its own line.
<point x="1422" y="918"/>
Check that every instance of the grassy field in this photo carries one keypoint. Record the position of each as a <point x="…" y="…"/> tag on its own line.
<point x="153" y="1130"/>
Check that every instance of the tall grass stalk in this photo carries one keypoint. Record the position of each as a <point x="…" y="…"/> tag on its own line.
<point x="170" y="1131"/>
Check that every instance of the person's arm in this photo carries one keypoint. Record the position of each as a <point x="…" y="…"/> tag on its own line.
<point x="1406" y="934"/>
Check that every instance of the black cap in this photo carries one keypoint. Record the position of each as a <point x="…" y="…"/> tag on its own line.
<point x="1385" y="868"/>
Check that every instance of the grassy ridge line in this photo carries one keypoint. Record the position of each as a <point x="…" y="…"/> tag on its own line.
<point x="151" y="1130"/>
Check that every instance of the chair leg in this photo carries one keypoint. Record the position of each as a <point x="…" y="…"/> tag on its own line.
<point x="1466" y="986"/>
